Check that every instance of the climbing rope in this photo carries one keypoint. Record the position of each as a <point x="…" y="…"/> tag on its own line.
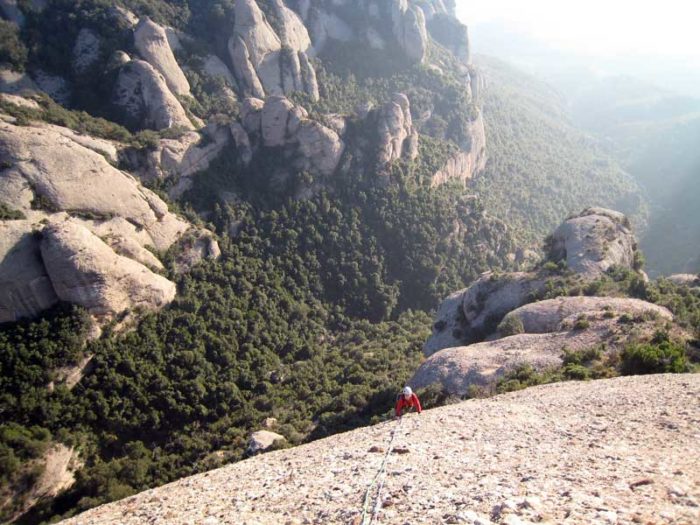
<point x="367" y="516"/>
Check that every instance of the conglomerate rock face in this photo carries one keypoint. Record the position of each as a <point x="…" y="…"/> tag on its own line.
<point x="623" y="450"/>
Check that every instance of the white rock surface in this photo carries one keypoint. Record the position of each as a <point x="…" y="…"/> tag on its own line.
<point x="594" y="241"/>
<point x="143" y="94"/>
<point x="447" y="328"/>
<point x="152" y="44"/>
<point x="216" y="68"/>
<point x="51" y="164"/>
<point x="409" y="29"/>
<point x="561" y="453"/>
<point x="86" y="271"/>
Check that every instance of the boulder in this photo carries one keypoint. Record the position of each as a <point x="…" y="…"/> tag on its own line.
<point x="397" y="137"/>
<point x="86" y="51"/>
<point x="196" y="247"/>
<point x="152" y="44"/>
<point x="86" y="271"/>
<point x="593" y="242"/>
<point x="143" y="95"/>
<point x="320" y="147"/>
<point x="262" y="440"/>
<point x="547" y="316"/>
<point x="25" y="287"/>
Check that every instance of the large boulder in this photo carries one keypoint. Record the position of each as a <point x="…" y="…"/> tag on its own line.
<point x="262" y="440"/>
<point x="87" y="272"/>
<point x="684" y="279"/>
<point x="17" y="83"/>
<point x="143" y="95"/>
<point x="152" y="44"/>
<point x="25" y="287"/>
<point x="593" y="242"/>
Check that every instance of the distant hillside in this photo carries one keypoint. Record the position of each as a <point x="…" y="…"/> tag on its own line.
<point x="612" y="451"/>
<point x="541" y="167"/>
<point x="655" y="135"/>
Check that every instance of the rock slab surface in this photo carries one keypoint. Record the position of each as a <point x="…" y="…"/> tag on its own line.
<point x="616" y="451"/>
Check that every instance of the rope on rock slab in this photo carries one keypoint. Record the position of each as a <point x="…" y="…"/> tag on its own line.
<point x="369" y="512"/>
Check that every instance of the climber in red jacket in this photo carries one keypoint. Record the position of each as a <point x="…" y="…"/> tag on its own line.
<point x="407" y="399"/>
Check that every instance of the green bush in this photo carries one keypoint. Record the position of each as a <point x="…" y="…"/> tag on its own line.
<point x="8" y="214"/>
<point x="654" y="358"/>
<point x="511" y="325"/>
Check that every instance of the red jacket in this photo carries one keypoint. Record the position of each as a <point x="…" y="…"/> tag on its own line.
<point x="402" y="403"/>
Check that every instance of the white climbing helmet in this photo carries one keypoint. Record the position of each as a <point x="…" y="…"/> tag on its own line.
<point x="407" y="391"/>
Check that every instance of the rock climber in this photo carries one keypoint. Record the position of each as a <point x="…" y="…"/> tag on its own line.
<point x="407" y="399"/>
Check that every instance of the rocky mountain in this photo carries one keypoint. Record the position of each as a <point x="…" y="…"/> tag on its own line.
<point x="225" y="224"/>
<point x="528" y="457"/>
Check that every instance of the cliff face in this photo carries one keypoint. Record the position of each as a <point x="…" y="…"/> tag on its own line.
<point x="632" y="459"/>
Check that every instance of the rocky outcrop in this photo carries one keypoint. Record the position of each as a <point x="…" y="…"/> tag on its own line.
<point x="143" y="95"/>
<point x="446" y="29"/>
<point x="593" y="242"/>
<point x="409" y="29"/>
<point x="266" y="63"/>
<point x="550" y="328"/>
<point x="86" y="51"/>
<point x="397" y="137"/>
<point x="621" y="451"/>
<point x="262" y="440"/>
<point x="548" y="316"/>
<point x="279" y="123"/>
<point x="181" y="158"/>
<point x="25" y="287"/>
<point x="372" y="22"/>
<point x="214" y="67"/>
<point x="464" y="165"/>
<point x="152" y="44"/>
<point x="50" y="167"/>
<point x="86" y="271"/>
<point x="482" y="306"/>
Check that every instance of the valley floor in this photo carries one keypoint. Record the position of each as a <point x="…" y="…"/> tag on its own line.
<point x="624" y="450"/>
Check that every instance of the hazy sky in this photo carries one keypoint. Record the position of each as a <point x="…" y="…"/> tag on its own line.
<point x="598" y="27"/>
